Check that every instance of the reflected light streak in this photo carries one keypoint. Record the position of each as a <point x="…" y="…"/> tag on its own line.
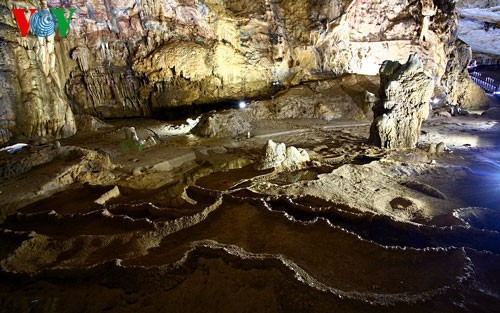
<point x="483" y="186"/>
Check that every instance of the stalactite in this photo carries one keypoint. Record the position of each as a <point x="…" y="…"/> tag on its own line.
<point x="225" y="49"/>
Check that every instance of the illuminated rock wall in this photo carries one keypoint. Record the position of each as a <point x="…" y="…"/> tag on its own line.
<point x="406" y="91"/>
<point x="128" y="58"/>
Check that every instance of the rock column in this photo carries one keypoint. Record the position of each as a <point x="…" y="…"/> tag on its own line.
<point x="404" y="104"/>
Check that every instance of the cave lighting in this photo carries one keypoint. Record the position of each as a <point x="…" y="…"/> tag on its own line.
<point x="490" y="174"/>
<point x="14" y="148"/>
<point x="242" y="104"/>
<point x="469" y="139"/>
<point x="435" y="100"/>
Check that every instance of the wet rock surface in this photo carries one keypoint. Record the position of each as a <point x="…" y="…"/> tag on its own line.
<point x="141" y="215"/>
<point x="357" y="228"/>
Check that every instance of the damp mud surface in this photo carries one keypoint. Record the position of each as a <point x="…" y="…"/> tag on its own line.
<point x="357" y="229"/>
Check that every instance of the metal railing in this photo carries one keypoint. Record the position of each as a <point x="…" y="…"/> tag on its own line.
<point x="487" y="83"/>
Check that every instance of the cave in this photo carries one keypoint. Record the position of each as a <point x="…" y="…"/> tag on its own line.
<point x="250" y="156"/>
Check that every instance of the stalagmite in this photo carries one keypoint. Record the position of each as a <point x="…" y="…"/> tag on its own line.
<point x="405" y="94"/>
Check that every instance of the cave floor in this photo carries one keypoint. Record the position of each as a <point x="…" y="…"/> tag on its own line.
<point x="193" y="226"/>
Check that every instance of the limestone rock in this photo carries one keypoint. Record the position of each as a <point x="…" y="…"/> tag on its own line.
<point x="113" y="193"/>
<point x="479" y="26"/>
<point x="441" y="148"/>
<point x="89" y="123"/>
<point x="83" y="166"/>
<point x="135" y="59"/>
<point x="150" y="142"/>
<point x="5" y="135"/>
<point x="343" y="98"/>
<point x="432" y="149"/>
<point x="474" y="3"/>
<point x="283" y="157"/>
<point x="459" y="89"/>
<point x="443" y="113"/>
<point x="405" y="94"/>
<point x="90" y="162"/>
<point x="228" y="123"/>
<point x="32" y="97"/>
<point x="175" y="130"/>
<point x="137" y="171"/>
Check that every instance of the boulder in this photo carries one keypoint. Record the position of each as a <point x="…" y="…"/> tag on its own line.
<point x="227" y="123"/>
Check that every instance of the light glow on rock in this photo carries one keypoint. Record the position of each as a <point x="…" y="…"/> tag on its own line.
<point x="435" y="100"/>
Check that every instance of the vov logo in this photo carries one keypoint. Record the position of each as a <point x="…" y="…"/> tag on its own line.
<point x="43" y="23"/>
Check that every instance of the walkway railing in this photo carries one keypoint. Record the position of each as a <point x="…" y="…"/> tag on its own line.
<point x="488" y="84"/>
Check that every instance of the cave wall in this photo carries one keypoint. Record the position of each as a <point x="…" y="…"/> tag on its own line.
<point x="477" y="3"/>
<point x="33" y="75"/>
<point x="130" y="58"/>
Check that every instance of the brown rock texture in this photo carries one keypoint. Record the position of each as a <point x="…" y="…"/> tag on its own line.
<point x="349" y="97"/>
<point x="33" y="74"/>
<point x="225" y="124"/>
<point x="404" y="104"/>
<point x="458" y="87"/>
<point x="127" y="58"/>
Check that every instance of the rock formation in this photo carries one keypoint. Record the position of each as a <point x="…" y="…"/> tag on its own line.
<point x="89" y="123"/>
<point x="125" y="58"/>
<point x="459" y="89"/>
<point x="349" y="97"/>
<point x="228" y="123"/>
<point x="405" y="94"/>
<point x="282" y="157"/>
<point x="113" y="193"/>
<point x="480" y="26"/>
